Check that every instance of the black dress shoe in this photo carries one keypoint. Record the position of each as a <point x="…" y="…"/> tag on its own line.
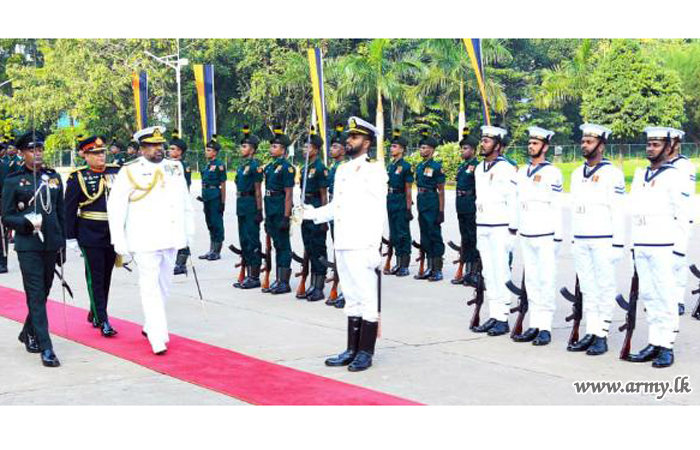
<point x="162" y="352"/>
<point x="529" y="335"/>
<point x="343" y="359"/>
<point x="543" y="338"/>
<point x="499" y="328"/>
<point x="486" y="326"/>
<point x="598" y="347"/>
<point x="647" y="354"/>
<point x="681" y="309"/>
<point x="144" y="334"/>
<point x="402" y="272"/>
<point x="91" y="318"/>
<point x="340" y="303"/>
<point x="107" y="330"/>
<point x="49" y="359"/>
<point x="362" y="361"/>
<point x="582" y="344"/>
<point x="665" y="358"/>
<point x="29" y="342"/>
<point x="180" y="269"/>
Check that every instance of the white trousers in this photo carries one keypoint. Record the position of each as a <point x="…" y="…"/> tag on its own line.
<point x="593" y="259"/>
<point x="540" y="274"/>
<point x="356" y="269"/>
<point x="656" y="283"/>
<point x="492" y="243"/>
<point x="680" y="277"/>
<point x="155" y="279"/>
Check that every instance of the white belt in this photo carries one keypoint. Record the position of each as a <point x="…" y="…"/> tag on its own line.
<point x="491" y="206"/>
<point x="646" y="220"/>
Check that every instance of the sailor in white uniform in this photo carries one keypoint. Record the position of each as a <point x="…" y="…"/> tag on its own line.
<point x="598" y="225"/>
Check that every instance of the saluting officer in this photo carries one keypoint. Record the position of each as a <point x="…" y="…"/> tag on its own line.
<point x="539" y="224"/>
<point x="249" y="209"/>
<point x="176" y="152"/>
<point x="598" y="226"/>
<point x="465" y="202"/>
<point x="279" y="184"/>
<point x="495" y="211"/>
<point x="32" y="205"/>
<point x="87" y="226"/>
<point x="399" y="201"/>
<point x="338" y="154"/>
<point x="659" y="227"/>
<point x="687" y="170"/>
<point x="314" y="236"/>
<point x="430" y="180"/>
<point x="214" y="198"/>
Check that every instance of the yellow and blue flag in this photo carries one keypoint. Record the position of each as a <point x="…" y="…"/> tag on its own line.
<point x="139" y="81"/>
<point x="204" y="80"/>
<point x="319" y="98"/>
<point x="473" y="47"/>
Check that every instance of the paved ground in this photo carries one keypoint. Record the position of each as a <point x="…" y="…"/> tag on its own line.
<point x="426" y="352"/>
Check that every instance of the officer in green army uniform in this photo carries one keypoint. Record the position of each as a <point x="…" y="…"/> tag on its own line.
<point x="466" y="207"/>
<point x="214" y="198"/>
<point x="32" y="205"/>
<point x="430" y="180"/>
<point x="249" y="209"/>
<point x="399" y="201"/>
<point x="118" y="156"/>
<point x="9" y="163"/>
<point x="338" y="154"/>
<point x="313" y="235"/>
<point x="279" y="185"/>
<point x="176" y="152"/>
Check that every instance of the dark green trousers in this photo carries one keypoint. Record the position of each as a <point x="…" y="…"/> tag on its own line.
<point x="400" y="232"/>
<point x="280" y="240"/>
<point x="467" y="230"/>
<point x="249" y="238"/>
<point x="99" y="264"/>
<point x="215" y="219"/>
<point x="37" y="277"/>
<point x="314" y="237"/>
<point x="431" y="233"/>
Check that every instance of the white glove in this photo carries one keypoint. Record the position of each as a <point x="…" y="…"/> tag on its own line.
<point x="304" y="212"/>
<point x="72" y="245"/>
<point x="122" y="251"/>
<point x="35" y="219"/>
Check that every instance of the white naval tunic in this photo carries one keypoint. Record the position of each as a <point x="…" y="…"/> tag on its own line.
<point x="680" y="262"/>
<point x="598" y="220"/>
<point x="538" y="220"/>
<point x="495" y="211"/>
<point x="152" y="228"/>
<point x="358" y="210"/>
<point x="658" y="209"/>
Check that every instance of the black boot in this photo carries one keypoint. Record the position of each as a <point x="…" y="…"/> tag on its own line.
<point x="394" y="270"/>
<point x="29" y="341"/>
<point x="486" y="326"/>
<point x="368" y="337"/>
<point x="274" y="284"/>
<point x="107" y="330"/>
<point x="598" y="347"/>
<point x="427" y="273"/>
<point x="463" y="279"/>
<point x="472" y="277"/>
<point x="436" y="275"/>
<point x="544" y="337"/>
<point x="340" y="301"/>
<point x="345" y="358"/>
<point x="49" y="359"/>
<point x="404" y="261"/>
<point x="647" y="354"/>
<point x="308" y="292"/>
<point x="582" y="344"/>
<point x="253" y="279"/>
<point x="499" y="328"/>
<point x="664" y="359"/>
<point x="681" y="309"/>
<point x="3" y="262"/>
<point x="283" y="275"/>
<point x="215" y="251"/>
<point x="529" y="335"/>
<point x="208" y="254"/>
<point x="181" y="264"/>
<point x="318" y="280"/>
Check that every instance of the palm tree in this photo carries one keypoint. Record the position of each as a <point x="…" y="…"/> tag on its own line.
<point x="566" y="81"/>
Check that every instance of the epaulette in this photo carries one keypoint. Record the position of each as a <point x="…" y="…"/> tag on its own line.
<point x="131" y="162"/>
<point x="78" y="169"/>
<point x="111" y="165"/>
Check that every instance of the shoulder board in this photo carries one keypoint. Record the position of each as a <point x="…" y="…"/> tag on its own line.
<point x="114" y="166"/>
<point x="133" y="161"/>
<point x="78" y="169"/>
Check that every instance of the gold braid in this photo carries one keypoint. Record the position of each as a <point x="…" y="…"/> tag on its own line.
<point x="90" y="198"/>
<point x="144" y="190"/>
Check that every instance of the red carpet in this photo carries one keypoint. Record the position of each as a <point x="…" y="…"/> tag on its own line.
<point x="243" y="377"/>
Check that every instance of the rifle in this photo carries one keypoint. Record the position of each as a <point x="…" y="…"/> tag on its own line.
<point x="631" y="319"/>
<point x="389" y="254"/>
<point x="241" y="263"/>
<point x="460" y="269"/>
<point x="696" y="273"/>
<point x="577" y="309"/>
<point x="478" y="299"/>
<point x="304" y="274"/>
<point x="420" y="259"/>
<point x="267" y="257"/>
<point x="333" y="296"/>
<point x="523" y="305"/>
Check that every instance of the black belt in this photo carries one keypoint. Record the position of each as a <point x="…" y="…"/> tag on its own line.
<point x="274" y="193"/>
<point x="461" y="193"/>
<point x="245" y="194"/>
<point x="422" y="190"/>
<point x="397" y="190"/>
<point x="211" y="186"/>
<point x="312" y="194"/>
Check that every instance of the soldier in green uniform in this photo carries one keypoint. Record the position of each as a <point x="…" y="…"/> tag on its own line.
<point x="87" y="226"/>
<point x="4" y="169"/>
<point x="430" y="180"/>
<point x="32" y="205"/>
<point x="118" y="156"/>
<point x="338" y="154"/>
<point x="279" y="185"/>
<point x="314" y="236"/>
<point x="214" y="198"/>
<point x="249" y="209"/>
<point x="399" y="201"/>
<point x="176" y="152"/>
<point x="132" y="151"/>
<point x="466" y="207"/>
